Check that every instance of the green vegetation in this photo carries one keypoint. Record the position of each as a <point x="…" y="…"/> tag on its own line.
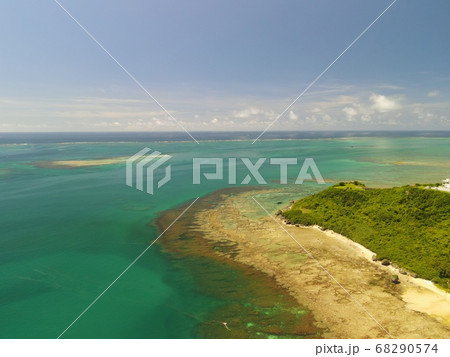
<point x="409" y="225"/>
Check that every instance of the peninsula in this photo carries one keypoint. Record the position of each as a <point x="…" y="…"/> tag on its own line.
<point x="229" y="227"/>
<point x="406" y="226"/>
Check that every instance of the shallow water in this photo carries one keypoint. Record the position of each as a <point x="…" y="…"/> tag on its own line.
<point x="67" y="233"/>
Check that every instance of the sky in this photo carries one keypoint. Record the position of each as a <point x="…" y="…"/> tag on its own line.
<point x="224" y="65"/>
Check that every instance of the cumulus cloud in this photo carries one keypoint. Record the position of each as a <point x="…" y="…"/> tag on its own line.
<point x="292" y="115"/>
<point x="374" y="109"/>
<point x="423" y="114"/>
<point x="253" y="114"/>
<point x="383" y="104"/>
<point x="359" y="108"/>
<point x="246" y="113"/>
<point x="327" y="118"/>
<point x="350" y="113"/>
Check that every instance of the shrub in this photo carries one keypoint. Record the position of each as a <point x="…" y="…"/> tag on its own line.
<point x="407" y="225"/>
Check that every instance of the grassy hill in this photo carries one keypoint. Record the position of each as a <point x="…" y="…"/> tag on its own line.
<point x="408" y="225"/>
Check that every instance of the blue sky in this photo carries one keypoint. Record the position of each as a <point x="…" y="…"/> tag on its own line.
<point x="224" y="65"/>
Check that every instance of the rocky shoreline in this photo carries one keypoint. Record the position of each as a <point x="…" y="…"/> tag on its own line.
<point x="260" y="243"/>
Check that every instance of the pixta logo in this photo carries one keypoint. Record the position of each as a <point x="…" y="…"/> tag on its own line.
<point x="143" y="164"/>
<point x="253" y="170"/>
<point x="139" y="161"/>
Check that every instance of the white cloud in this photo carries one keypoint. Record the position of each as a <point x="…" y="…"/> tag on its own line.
<point x="311" y="119"/>
<point x="247" y="112"/>
<point x="383" y="104"/>
<point x="254" y="112"/>
<point x="356" y="108"/>
<point x="422" y="113"/>
<point x="350" y="113"/>
<point x="365" y="118"/>
<point x="292" y="115"/>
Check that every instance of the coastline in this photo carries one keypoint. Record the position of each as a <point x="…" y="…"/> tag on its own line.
<point x="250" y="304"/>
<point x="421" y="295"/>
<point x="231" y="218"/>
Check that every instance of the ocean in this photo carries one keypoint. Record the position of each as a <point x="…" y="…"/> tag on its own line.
<point x="68" y="232"/>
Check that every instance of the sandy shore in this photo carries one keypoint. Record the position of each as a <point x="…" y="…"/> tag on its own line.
<point x="419" y="294"/>
<point x="412" y="309"/>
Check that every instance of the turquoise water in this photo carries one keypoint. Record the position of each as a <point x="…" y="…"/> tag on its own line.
<point x="66" y="234"/>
